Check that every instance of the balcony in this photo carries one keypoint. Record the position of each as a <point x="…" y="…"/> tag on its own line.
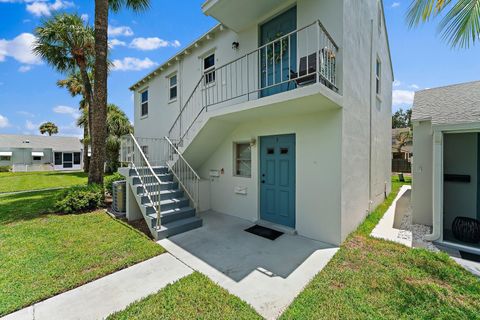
<point x="296" y="62"/>
<point x="239" y="15"/>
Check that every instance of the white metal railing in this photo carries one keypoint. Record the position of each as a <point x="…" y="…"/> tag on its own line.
<point x="160" y="152"/>
<point x="302" y="57"/>
<point x="184" y="173"/>
<point x="132" y="154"/>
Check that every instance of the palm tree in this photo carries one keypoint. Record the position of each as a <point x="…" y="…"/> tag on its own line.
<point x="118" y="125"/>
<point x="48" y="127"/>
<point x="99" y="106"/>
<point x="460" y="26"/>
<point x="73" y="83"/>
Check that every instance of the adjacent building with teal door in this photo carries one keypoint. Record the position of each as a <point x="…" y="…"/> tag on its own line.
<point x="277" y="179"/>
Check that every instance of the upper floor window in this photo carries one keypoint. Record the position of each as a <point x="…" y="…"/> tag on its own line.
<point x="380" y="17"/>
<point x="209" y="68"/>
<point x="173" y="85"/>
<point x="144" y="104"/>
<point x="378" y="76"/>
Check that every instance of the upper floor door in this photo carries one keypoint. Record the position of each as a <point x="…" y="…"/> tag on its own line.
<point x="278" y="53"/>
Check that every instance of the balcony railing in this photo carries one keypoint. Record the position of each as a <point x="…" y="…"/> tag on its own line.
<point x="300" y="58"/>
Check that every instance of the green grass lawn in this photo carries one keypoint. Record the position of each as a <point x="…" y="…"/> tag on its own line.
<point x="193" y="297"/>
<point x="42" y="255"/>
<point x="22" y="181"/>
<point x="370" y="278"/>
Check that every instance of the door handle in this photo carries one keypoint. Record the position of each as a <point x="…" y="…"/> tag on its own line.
<point x="263" y="181"/>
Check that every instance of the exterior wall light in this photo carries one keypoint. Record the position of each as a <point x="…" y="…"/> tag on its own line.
<point x="235" y="45"/>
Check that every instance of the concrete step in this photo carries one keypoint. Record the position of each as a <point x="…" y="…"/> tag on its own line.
<point x="151" y="187"/>
<point x="168" y="204"/>
<point x="163" y="178"/>
<point x="164" y="195"/>
<point x="179" y="226"/>
<point x="172" y="215"/>
<point x="157" y="170"/>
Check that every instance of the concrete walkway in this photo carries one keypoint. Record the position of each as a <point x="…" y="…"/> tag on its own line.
<point x="266" y="274"/>
<point x="98" y="299"/>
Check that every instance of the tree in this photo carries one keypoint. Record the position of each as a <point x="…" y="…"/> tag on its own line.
<point x="460" y="26"/>
<point x="402" y="119"/>
<point x="48" y="127"/>
<point x="73" y="83"/>
<point x="65" y="43"/>
<point x="118" y="125"/>
<point x="99" y="106"/>
<point x="404" y="138"/>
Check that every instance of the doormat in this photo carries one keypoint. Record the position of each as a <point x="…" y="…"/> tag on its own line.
<point x="264" y="232"/>
<point x="470" y="256"/>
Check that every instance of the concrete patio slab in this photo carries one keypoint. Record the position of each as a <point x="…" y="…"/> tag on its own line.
<point x="266" y="274"/>
<point x="98" y="299"/>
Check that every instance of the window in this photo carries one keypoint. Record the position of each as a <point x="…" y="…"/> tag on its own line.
<point x="378" y="76"/>
<point x="209" y="68"/>
<point x="144" y="105"/>
<point x="37" y="158"/>
<point x="243" y="160"/>
<point x="173" y="82"/>
<point x="76" y="158"/>
<point x="58" y="159"/>
<point x="380" y="17"/>
<point x="5" y="158"/>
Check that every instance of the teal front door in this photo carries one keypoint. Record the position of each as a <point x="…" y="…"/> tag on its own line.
<point x="277" y="179"/>
<point x="278" y="58"/>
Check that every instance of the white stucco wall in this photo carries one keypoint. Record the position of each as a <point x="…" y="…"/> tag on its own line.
<point x="362" y="44"/>
<point x="422" y="173"/>
<point x="318" y="159"/>
<point x="353" y="178"/>
<point x="460" y="157"/>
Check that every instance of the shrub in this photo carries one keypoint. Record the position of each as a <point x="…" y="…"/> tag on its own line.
<point x="5" y="168"/>
<point x="80" y="199"/>
<point x="109" y="180"/>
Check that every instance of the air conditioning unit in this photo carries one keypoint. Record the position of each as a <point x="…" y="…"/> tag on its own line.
<point x="119" y="196"/>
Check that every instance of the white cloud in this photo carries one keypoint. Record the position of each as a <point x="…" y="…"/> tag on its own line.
<point x="132" y="64"/>
<point x="43" y="8"/>
<point x="26" y="114"/>
<point x="116" y="43"/>
<point x="146" y="44"/>
<point x="395" y="4"/>
<point x="397" y="83"/>
<point x="19" y="48"/>
<point x="84" y="17"/>
<point x="120" y="31"/>
<point x="414" y="86"/>
<point x="29" y="125"/>
<point x="67" y="110"/>
<point x="402" y="97"/>
<point x="24" y="68"/>
<point x="4" y="122"/>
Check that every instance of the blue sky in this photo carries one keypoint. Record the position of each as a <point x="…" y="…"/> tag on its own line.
<point x="29" y="96"/>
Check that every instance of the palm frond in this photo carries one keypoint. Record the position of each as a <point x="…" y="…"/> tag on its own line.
<point x="461" y="25"/>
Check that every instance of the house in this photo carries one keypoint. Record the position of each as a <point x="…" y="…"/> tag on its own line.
<point x="402" y="146"/>
<point x="266" y="118"/>
<point x="40" y="153"/>
<point x="446" y="175"/>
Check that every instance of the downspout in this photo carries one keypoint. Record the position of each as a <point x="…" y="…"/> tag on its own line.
<point x="437" y="182"/>
<point x="370" y="124"/>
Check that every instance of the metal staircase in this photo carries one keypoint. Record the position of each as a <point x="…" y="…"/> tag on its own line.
<point x="167" y="193"/>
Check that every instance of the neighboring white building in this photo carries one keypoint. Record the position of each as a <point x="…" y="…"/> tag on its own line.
<point x="283" y="108"/>
<point x="446" y="175"/>
<point x="40" y="153"/>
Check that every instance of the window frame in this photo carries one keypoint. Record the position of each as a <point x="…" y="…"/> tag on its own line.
<point x="36" y="158"/>
<point x="170" y="87"/>
<point x="210" y="71"/>
<point x="5" y="158"/>
<point x="79" y="155"/>
<point x="378" y="76"/>
<point x="144" y="103"/>
<point x="237" y="160"/>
